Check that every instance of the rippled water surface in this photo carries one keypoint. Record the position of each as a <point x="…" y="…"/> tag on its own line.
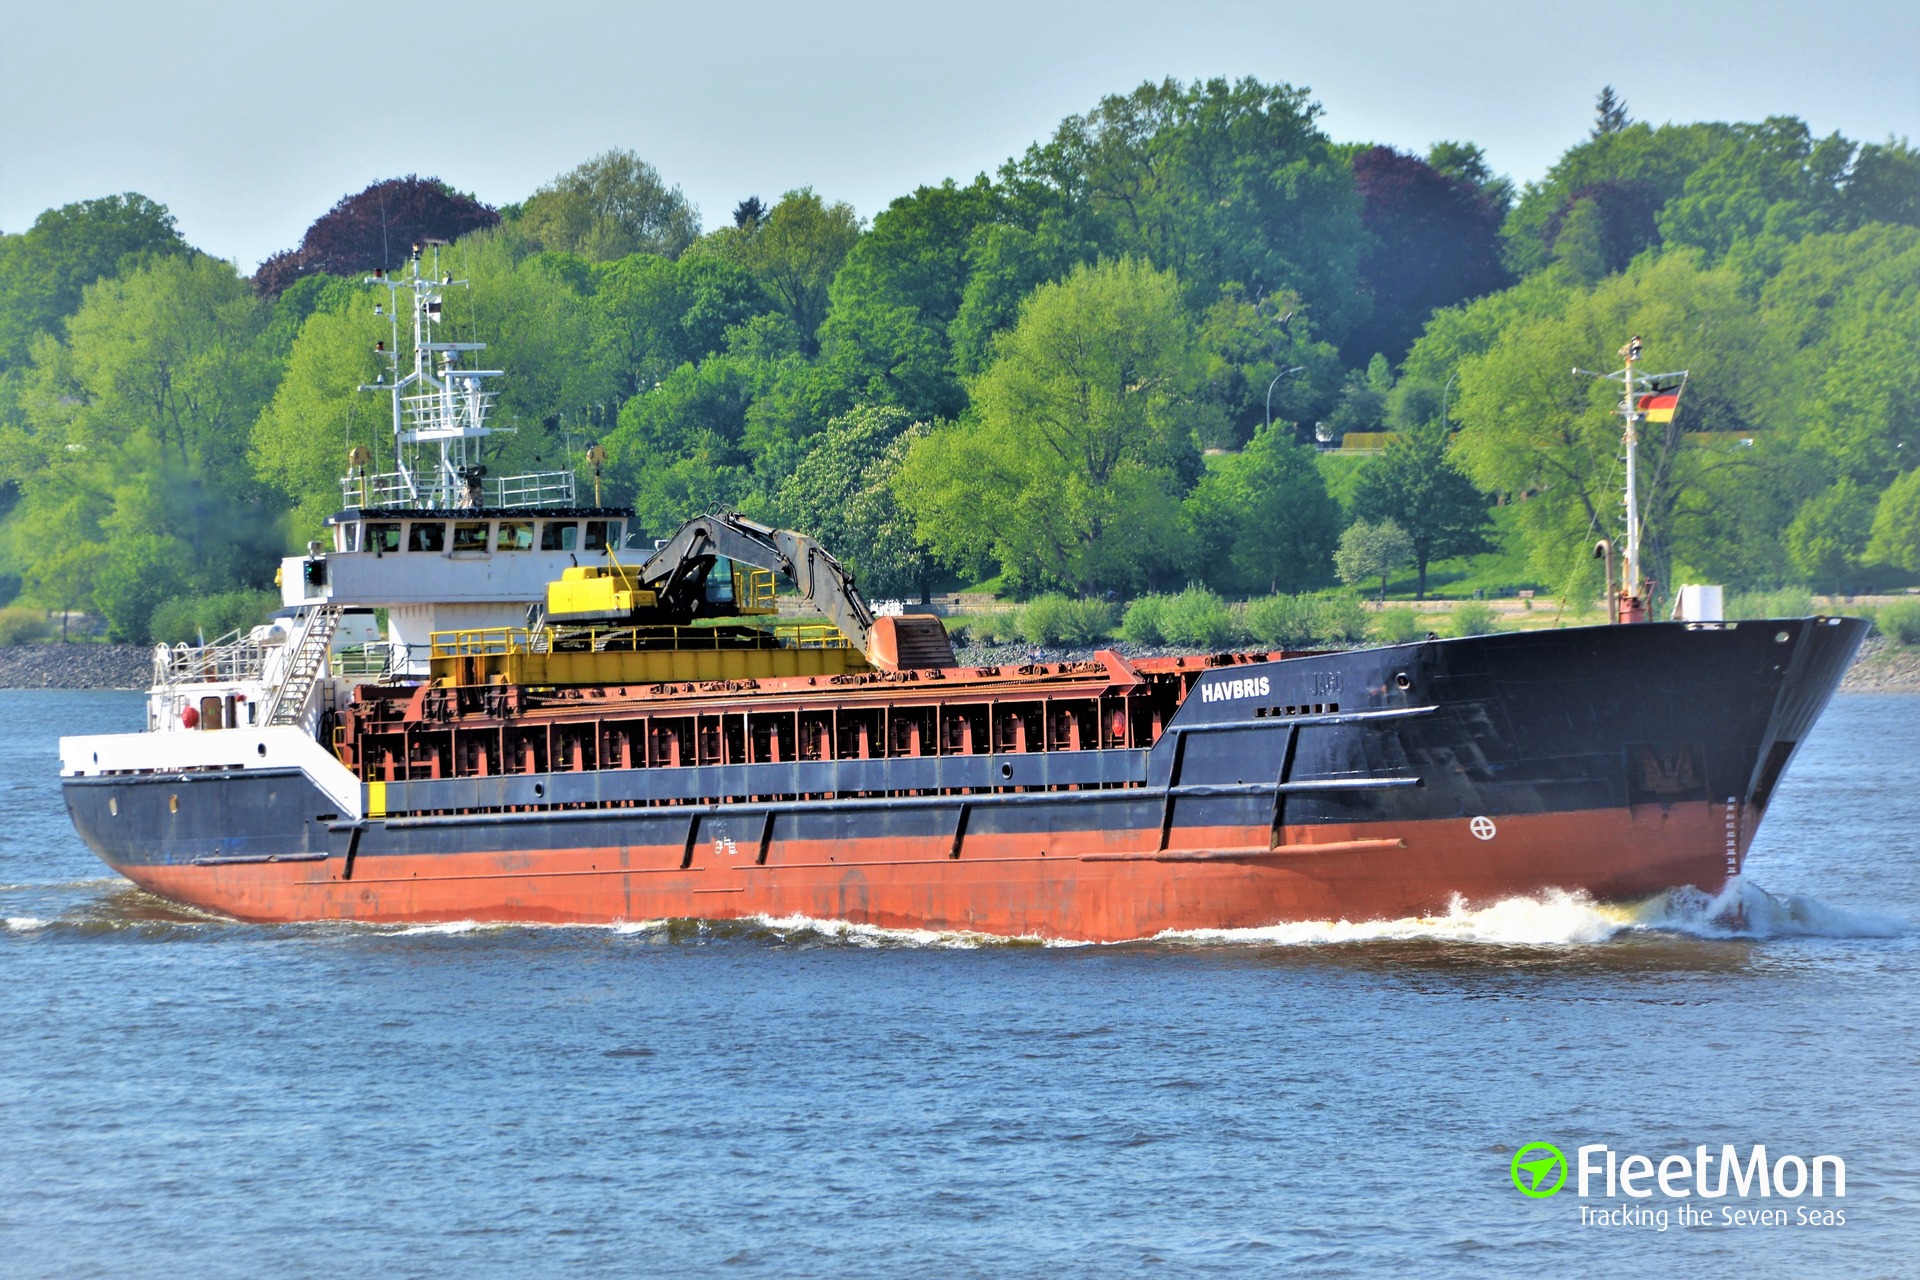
<point x="185" y="1095"/>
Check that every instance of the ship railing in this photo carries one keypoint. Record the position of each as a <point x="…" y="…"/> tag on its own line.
<point x="429" y="493"/>
<point x="384" y="489"/>
<point x="481" y="643"/>
<point x="534" y="489"/>
<point x="812" y="636"/>
<point x="622" y="639"/>
<point x="376" y="661"/>
<point x="447" y="412"/>
<point x="501" y="641"/>
<point x="232" y="657"/>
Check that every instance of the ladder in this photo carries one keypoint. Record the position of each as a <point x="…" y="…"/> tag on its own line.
<point x="306" y="665"/>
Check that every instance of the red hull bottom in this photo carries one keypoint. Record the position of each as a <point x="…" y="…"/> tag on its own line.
<point x="1086" y="886"/>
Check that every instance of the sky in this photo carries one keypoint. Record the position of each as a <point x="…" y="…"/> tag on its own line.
<point x="250" y="119"/>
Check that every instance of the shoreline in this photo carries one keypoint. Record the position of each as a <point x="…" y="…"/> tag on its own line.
<point x="1880" y="667"/>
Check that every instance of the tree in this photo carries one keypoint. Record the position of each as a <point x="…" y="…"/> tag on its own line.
<point x="1895" y="535"/>
<point x="749" y="213"/>
<point x="794" y="254"/>
<point x="376" y="227"/>
<point x="1609" y="113"/>
<point x="1216" y="181"/>
<point x="842" y="494"/>
<point x="1436" y="243"/>
<point x="139" y="573"/>
<point x="1372" y="549"/>
<point x="1414" y="486"/>
<point x="1827" y="537"/>
<point x="898" y="292"/>
<point x="63" y="580"/>
<point x="1263" y="520"/>
<point x="608" y="207"/>
<point x="1079" y="443"/>
<point x="44" y="270"/>
<point x="1601" y="226"/>
<point x="1550" y="440"/>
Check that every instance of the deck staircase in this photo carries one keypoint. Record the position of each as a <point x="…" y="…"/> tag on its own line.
<point x="305" y="666"/>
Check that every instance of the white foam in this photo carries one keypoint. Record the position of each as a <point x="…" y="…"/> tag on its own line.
<point x="871" y="935"/>
<point x="1745" y="910"/>
<point x="25" y="924"/>
<point x="1560" y="918"/>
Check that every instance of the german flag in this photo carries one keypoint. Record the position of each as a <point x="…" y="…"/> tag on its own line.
<point x="1658" y="407"/>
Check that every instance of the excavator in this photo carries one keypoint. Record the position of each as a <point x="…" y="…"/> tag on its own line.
<point x="723" y="566"/>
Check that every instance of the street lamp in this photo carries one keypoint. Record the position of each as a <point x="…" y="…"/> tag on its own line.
<point x="1299" y="368"/>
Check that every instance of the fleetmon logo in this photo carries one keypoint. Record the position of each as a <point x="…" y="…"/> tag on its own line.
<point x="1538" y="1170"/>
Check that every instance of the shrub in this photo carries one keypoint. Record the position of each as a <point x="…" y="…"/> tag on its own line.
<point x="1398" y="626"/>
<point x="1058" y="619"/>
<point x="20" y="624"/>
<point x="189" y="617"/>
<point x="1339" y="618"/>
<point x="1899" y="621"/>
<point x="1787" y="603"/>
<point x="1474" y="618"/>
<point x="1198" y="618"/>
<point x="1281" y="622"/>
<point x="1145" y="621"/>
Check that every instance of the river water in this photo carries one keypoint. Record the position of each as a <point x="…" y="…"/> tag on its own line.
<point x="183" y="1095"/>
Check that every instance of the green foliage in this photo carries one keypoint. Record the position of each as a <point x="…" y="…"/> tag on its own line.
<point x="1827" y="537"/>
<point x="1785" y="603"/>
<point x="1059" y="619"/>
<point x="140" y="573"/>
<point x="1198" y="619"/>
<point x="22" y="624"/>
<point x="842" y="494"/>
<point x="1531" y="431"/>
<point x="1399" y="625"/>
<point x="44" y="270"/>
<point x="1473" y="618"/>
<point x="1262" y="520"/>
<point x="611" y="206"/>
<point x="1077" y="444"/>
<point x="1164" y="172"/>
<point x="1305" y="621"/>
<point x="193" y="618"/>
<point x="1899" y="621"/>
<point x="794" y="253"/>
<point x="1372" y="549"/>
<point x="1018" y="374"/>
<point x="1145" y="620"/>
<point x="1895" y="536"/>
<point x="1414" y="485"/>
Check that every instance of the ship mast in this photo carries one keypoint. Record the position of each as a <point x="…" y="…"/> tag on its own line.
<point x="1635" y="589"/>
<point x="439" y="408"/>
<point x="1633" y="603"/>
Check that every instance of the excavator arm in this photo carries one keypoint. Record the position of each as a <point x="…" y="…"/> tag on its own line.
<point x="678" y="570"/>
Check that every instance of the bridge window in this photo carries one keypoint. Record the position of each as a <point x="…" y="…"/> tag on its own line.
<point x="599" y="532"/>
<point x="515" y="535"/>
<point x="469" y="537"/>
<point x="346" y="537"/>
<point x="383" y="537"/>
<point x="426" y="537"/>
<point x="559" y="535"/>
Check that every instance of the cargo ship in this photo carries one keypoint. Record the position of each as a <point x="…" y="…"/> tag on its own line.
<point x="563" y="723"/>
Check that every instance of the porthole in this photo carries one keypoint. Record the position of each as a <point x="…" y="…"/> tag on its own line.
<point x="113" y="805"/>
<point x="1006" y="771"/>
<point x="539" y="788"/>
<point x="1781" y="638"/>
<point x="1402" y="681"/>
<point x="262" y="749"/>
